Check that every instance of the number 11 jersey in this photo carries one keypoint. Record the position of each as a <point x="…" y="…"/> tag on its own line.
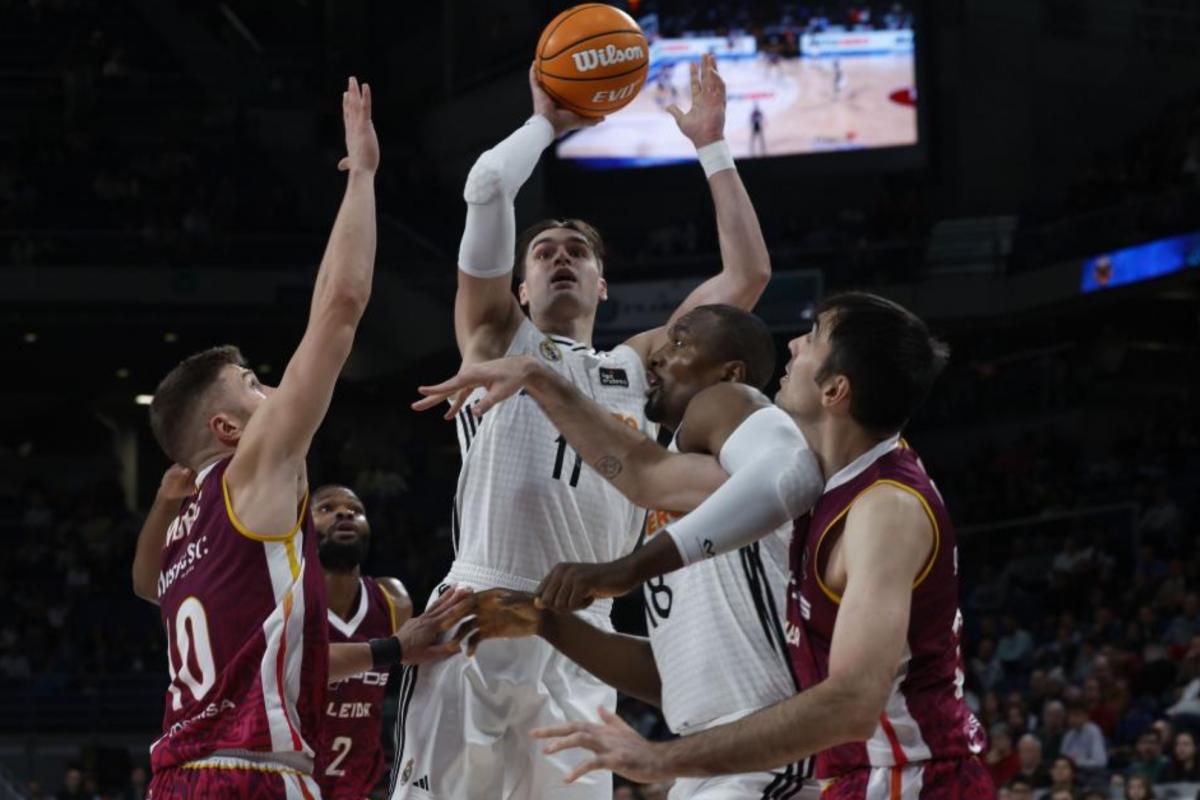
<point x="247" y="637"/>
<point x="525" y="499"/>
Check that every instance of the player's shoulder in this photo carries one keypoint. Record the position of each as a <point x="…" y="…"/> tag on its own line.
<point x="724" y="401"/>
<point x="895" y="506"/>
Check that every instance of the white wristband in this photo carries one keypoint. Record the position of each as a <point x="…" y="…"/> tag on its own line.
<point x="715" y="157"/>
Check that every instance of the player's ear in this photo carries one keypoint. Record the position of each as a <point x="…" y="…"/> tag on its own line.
<point x="226" y="428"/>
<point x="603" y="289"/>
<point x="522" y="294"/>
<point x="734" y="372"/>
<point x="835" y="390"/>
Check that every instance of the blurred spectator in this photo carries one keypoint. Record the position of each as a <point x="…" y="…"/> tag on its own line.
<point x="1015" y="646"/>
<point x="138" y="782"/>
<point x="1186" y="625"/>
<point x="1032" y="767"/>
<point x="1002" y="761"/>
<point x="1062" y="775"/>
<point x="988" y="670"/>
<point x="1054" y="727"/>
<point x="1183" y="767"/>
<point x="1137" y="787"/>
<point x="73" y="785"/>
<point x="1083" y="742"/>
<point x="1162" y="521"/>
<point x="1149" y="761"/>
<point x="1019" y="789"/>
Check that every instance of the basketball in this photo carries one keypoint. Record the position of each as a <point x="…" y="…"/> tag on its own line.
<point x="592" y="59"/>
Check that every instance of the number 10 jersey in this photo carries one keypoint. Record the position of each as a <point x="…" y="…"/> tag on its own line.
<point x="247" y="637"/>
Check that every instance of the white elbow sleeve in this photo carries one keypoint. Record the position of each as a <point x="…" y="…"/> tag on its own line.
<point x="773" y="478"/>
<point x="490" y="235"/>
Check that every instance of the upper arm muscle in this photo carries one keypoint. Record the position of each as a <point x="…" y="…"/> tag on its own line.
<point x="486" y="315"/>
<point x="885" y="543"/>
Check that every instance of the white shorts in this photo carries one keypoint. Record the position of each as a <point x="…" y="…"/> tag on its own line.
<point x="463" y="727"/>
<point x="781" y="783"/>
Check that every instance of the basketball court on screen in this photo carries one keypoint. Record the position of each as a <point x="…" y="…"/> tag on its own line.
<point x="803" y="110"/>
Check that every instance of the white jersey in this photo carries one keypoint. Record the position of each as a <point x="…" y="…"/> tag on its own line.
<point x="717" y="631"/>
<point x="525" y="499"/>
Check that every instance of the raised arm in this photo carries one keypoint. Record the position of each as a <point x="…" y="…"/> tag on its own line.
<point x="885" y="544"/>
<point x="486" y="314"/>
<point x="178" y="483"/>
<point x="745" y="262"/>
<point x="269" y="462"/>
<point x="636" y="465"/>
<point x="624" y="662"/>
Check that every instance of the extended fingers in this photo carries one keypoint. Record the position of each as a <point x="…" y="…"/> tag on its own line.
<point x="579" y="739"/>
<point x="555" y="731"/>
<point x="585" y="768"/>
<point x="694" y="75"/>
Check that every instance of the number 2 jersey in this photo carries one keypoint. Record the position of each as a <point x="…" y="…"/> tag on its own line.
<point x="525" y="499"/>
<point x="247" y="637"/>
<point x="925" y="718"/>
<point x="350" y="758"/>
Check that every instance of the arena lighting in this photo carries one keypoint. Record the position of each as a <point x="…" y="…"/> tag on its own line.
<point x="144" y="399"/>
<point x="1141" y="262"/>
<point x="30" y="337"/>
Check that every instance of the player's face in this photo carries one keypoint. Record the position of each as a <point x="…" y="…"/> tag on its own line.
<point x="343" y="533"/>
<point x="678" y="370"/>
<point x="561" y="273"/>
<point x="799" y="393"/>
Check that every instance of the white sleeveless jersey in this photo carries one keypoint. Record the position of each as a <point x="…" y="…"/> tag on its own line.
<point x="525" y="499"/>
<point x="716" y="628"/>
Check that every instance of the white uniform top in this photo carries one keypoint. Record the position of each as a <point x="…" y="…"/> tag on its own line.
<point x="525" y="499"/>
<point x="716" y="628"/>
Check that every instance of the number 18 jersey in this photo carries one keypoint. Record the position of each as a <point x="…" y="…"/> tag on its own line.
<point x="247" y="637"/>
<point x="525" y="499"/>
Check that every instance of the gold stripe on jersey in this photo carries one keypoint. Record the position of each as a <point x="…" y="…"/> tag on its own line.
<point x="391" y="604"/>
<point x="937" y="536"/>
<point x="264" y="537"/>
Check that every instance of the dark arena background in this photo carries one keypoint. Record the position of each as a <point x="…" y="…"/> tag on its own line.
<point x="1024" y="175"/>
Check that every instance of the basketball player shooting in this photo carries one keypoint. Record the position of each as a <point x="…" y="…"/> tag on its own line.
<point x="525" y="500"/>
<point x="239" y="586"/>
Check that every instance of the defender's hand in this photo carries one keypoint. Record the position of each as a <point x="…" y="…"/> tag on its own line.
<point x="502" y="378"/>
<point x="570" y="587"/>
<point x="704" y="122"/>
<point x="560" y="118"/>
<point x="617" y="747"/>
<point x="500" y="614"/>
<point x="362" y="146"/>
<point x="178" y="483"/>
<point x="420" y="636"/>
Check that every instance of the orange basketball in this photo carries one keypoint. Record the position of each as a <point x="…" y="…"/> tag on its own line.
<point x="592" y="59"/>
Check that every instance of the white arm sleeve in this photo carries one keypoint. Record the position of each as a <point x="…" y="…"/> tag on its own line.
<point x="490" y="233"/>
<point x="773" y="478"/>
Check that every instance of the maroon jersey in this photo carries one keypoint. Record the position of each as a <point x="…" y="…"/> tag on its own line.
<point x="350" y="758"/>
<point x="925" y="717"/>
<point x="247" y="640"/>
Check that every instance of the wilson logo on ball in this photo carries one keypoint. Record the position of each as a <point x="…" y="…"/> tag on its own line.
<point x="586" y="60"/>
<point x="592" y="59"/>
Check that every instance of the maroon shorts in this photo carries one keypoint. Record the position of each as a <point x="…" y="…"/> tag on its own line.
<point x="231" y="783"/>
<point x="949" y="779"/>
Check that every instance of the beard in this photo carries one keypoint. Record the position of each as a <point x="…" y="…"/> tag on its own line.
<point x="343" y="556"/>
<point x="655" y="407"/>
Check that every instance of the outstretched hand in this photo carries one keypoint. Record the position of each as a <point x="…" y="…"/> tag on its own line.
<point x="502" y="378"/>
<point x="704" y="122"/>
<point x="420" y="637"/>
<point x="616" y="747"/>
<point x="362" y="146"/>
<point x="560" y="118"/>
